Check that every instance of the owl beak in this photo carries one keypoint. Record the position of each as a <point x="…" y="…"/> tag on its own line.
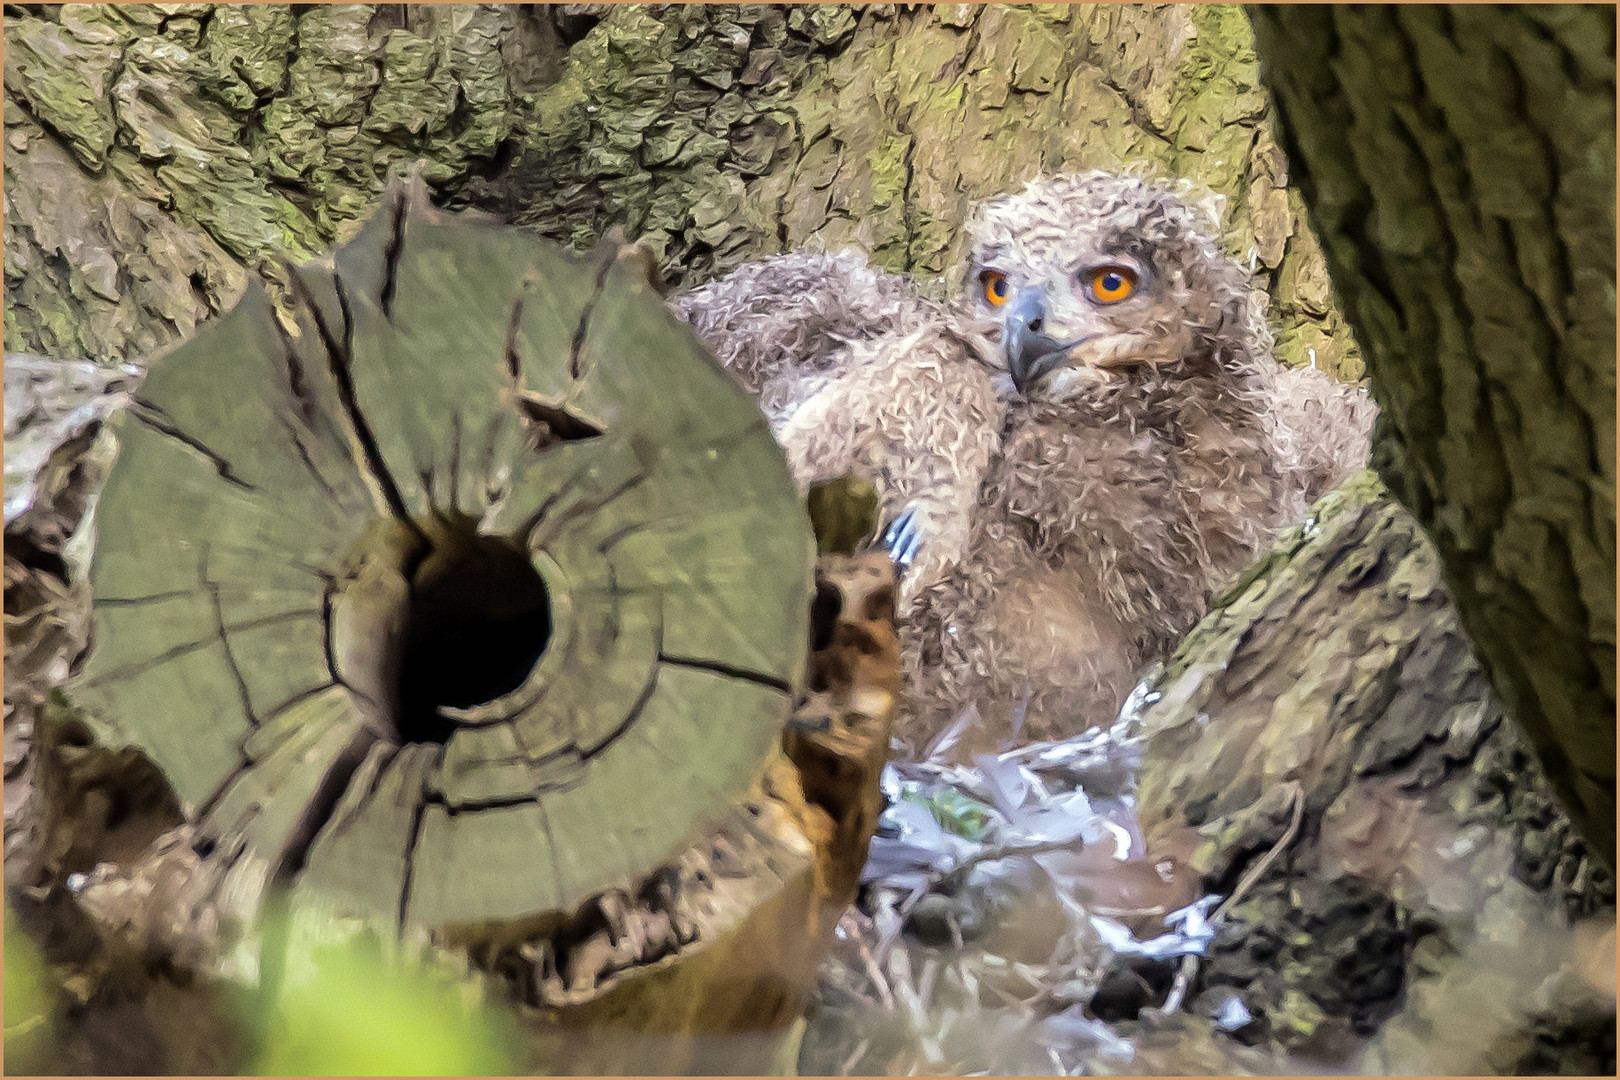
<point x="1031" y="354"/>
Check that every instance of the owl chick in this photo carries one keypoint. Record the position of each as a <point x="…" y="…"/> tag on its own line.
<point x="1092" y="439"/>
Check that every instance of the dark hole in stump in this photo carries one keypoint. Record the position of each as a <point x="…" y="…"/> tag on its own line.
<point x="824" y="611"/>
<point x="479" y="621"/>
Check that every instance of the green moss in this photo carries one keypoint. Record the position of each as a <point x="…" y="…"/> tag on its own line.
<point x="66" y="83"/>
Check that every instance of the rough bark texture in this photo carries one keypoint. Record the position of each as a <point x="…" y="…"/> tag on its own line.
<point x="153" y="152"/>
<point x="719" y="133"/>
<point x="1329" y="709"/>
<point x="1459" y="164"/>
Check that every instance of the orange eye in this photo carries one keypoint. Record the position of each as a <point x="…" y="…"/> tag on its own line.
<point x="996" y="290"/>
<point x="1110" y="284"/>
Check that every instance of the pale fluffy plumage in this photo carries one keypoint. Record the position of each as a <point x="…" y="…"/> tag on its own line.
<point x="775" y="321"/>
<point x="1075" y="528"/>
<point x="860" y="375"/>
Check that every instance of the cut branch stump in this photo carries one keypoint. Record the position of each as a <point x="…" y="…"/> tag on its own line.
<point x="459" y="593"/>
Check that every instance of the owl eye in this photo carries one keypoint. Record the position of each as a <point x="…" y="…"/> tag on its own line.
<point x="995" y="286"/>
<point x="1110" y="284"/>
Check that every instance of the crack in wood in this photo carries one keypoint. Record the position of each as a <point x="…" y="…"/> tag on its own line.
<point x="551" y="423"/>
<point x="586" y="753"/>
<point x="392" y="254"/>
<point x="494" y="490"/>
<point x="411" y="838"/>
<point x="548" y="421"/>
<point x="425" y="476"/>
<point x="338" y="356"/>
<point x="297" y="376"/>
<point x="212" y="589"/>
<point x="473" y="806"/>
<point x="455" y="460"/>
<point x="514" y="363"/>
<point x="297" y="699"/>
<point x="130" y="670"/>
<point x="133" y="601"/>
<point x="584" y="506"/>
<point x="206" y="807"/>
<point x="327" y="645"/>
<point x="309" y="462"/>
<point x="160" y="421"/>
<point x="618" y="536"/>
<point x="576" y="347"/>
<point x="525" y="530"/>
<point x="390" y="752"/>
<point x="728" y="670"/>
<point x="551" y="845"/>
<point x="323" y="804"/>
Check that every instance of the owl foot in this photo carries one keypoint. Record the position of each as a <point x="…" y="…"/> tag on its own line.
<point x="903" y="538"/>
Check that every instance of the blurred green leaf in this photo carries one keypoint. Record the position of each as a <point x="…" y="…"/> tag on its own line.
<point x="956" y="813"/>
<point x="28" y="998"/>
<point x="359" y="1015"/>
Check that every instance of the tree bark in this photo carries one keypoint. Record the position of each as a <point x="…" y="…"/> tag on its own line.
<point x="714" y="133"/>
<point x="719" y="133"/>
<point x="1459" y="166"/>
<point x="153" y="153"/>
<point x="1325" y="751"/>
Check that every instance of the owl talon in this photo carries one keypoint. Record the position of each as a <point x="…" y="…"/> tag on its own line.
<point x="903" y="539"/>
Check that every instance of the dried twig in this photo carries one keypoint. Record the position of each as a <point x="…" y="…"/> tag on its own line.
<point x="999" y="852"/>
<point x="1189" y="963"/>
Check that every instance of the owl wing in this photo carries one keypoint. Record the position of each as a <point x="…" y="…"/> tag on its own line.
<point x="914" y="413"/>
<point x="1321" y="429"/>
<point x="779" y="321"/>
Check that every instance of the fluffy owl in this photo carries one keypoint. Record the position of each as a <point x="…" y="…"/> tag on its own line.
<point x="1088" y="442"/>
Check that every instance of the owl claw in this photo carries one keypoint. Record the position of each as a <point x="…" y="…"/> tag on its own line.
<point x="903" y="539"/>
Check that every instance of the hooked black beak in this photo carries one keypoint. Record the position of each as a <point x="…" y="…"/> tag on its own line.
<point x="1031" y="354"/>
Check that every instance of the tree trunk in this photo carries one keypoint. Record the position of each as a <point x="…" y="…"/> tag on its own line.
<point x="1326" y="753"/>
<point x="1459" y="165"/>
<point x="714" y="133"/>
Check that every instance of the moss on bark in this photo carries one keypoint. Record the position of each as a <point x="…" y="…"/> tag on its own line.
<point x="1334" y="682"/>
<point x="714" y="133"/>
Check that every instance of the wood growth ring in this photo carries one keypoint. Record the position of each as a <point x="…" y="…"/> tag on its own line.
<point x="457" y="586"/>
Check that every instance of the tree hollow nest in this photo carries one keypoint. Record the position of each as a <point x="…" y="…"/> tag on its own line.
<point x="456" y="588"/>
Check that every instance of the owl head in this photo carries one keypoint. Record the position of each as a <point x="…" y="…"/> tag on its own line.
<point x="1095" y="276"/>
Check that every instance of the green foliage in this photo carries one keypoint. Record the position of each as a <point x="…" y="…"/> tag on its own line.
<point x="956" y="813"/>
<point x="359" y="1014"/>
<point x="28" y="999"/>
